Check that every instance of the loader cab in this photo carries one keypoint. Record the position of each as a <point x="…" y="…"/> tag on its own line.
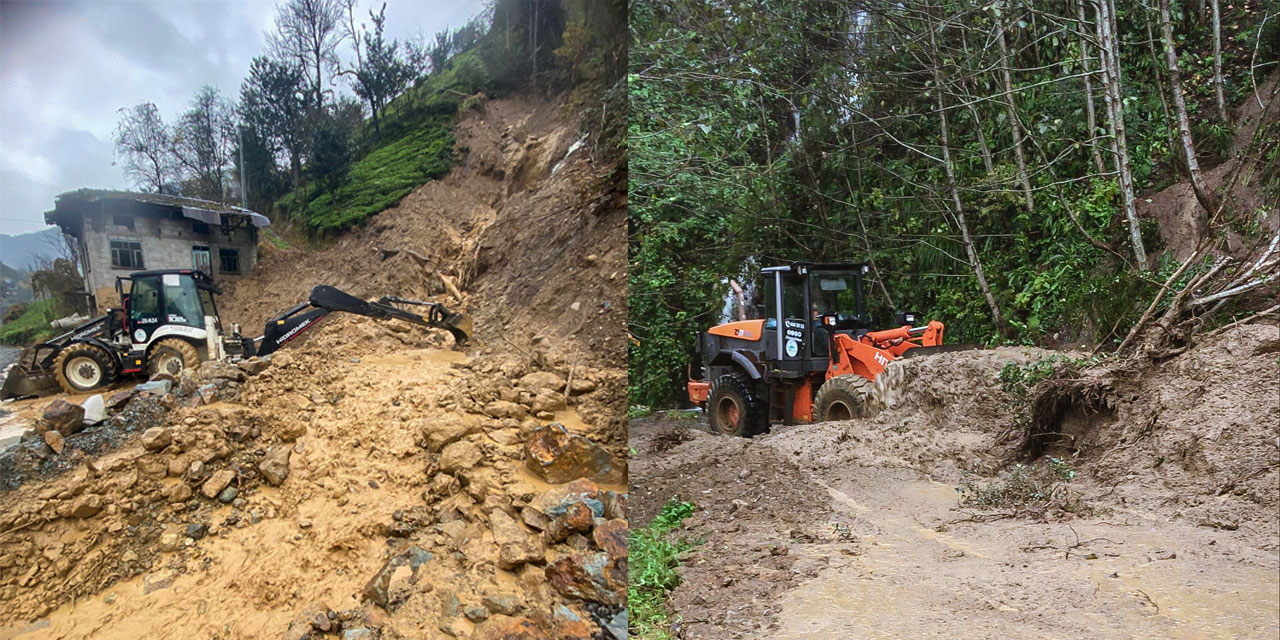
<point x="809" y="302"/>
<point x="170" y="301"/>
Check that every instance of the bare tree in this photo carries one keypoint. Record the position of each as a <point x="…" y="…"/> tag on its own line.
<point x="1090" y="116"/>
<point x="143" y="144"/>
<point x="1015" y="125"/>
<point x="204" y="142"/>
<point x="309" y="32"/>
<point x="1109" y="53"/>
<point x="1217" y="63"/>
<point x="1180" y="108"/>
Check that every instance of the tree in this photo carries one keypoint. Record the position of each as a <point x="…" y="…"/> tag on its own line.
<point x="204" y="141"/>
<point x="1180" y="108"/>
<point x="1109" y="54"/>
<point x="143" y="143"/>
<point x="330" y="151"/>
<point x="1015" y="124"/>
<point x="382" y="73"/>
<point x="308" y="32"/>
<point x="273" y="105"/>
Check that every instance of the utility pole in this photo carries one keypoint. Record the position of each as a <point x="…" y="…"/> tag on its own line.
<point x="240" y="138"/>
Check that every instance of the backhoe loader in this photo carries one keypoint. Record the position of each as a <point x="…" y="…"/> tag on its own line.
<point x="168" y="322"/>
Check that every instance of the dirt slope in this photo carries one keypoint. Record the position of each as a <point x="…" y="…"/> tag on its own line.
<point x="815" y="530"/>
<point x="408" y="509"/>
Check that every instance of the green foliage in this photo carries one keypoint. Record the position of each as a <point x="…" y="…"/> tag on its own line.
<point x="31" y="325"/>
<point x="748" y="151"/>
<point x="653" y="563"/>
<point x="1019" y="379"/>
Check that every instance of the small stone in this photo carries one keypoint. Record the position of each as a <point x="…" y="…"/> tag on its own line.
<point x="156" y="438"/>
<point x="54" y="440"/>
<point x="170" y="541"/>
<point x="196" y="530"/>
<point x="506" y="605"/>
<point x="255" y="516"/>
<point x="275" y="466"/>
<point x="178" y="492"/>
<point x="476" y="613"/>
<point x="228" y="494"/>
<point x="459" y="456"/>
<point x="86" y="506"/>
<point x="516" y="547"/>
<point x="217" y="482"/>
<point x="304" y="524"/>
<point x="508" y="628"/>
<point x="63" y="416"/>
<point x="110" y="599"/>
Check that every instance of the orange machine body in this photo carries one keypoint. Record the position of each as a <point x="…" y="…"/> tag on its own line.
<point x="743" y="329"/>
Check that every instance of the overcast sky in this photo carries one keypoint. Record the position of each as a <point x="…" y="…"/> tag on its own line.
<point x="67" y="67"/>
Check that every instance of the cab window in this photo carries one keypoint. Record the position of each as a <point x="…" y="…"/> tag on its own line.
<point x="181" y="302"/>
<point x="144" y="299"/>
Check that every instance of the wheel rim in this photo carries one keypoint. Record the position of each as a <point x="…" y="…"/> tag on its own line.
<point x="839" y="411"/>
<point x="728" y="414"/>
<point x="84" y="372"/>
<point x="170" y="363"/>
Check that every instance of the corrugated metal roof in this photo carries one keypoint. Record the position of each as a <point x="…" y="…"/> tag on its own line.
<point x="203" y="210"/>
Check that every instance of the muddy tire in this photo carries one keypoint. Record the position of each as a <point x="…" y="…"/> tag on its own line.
<point x="83" y="367"/>
<point x="172" y="356"/>
<point x="843" y="398"/>
<point x="734" y="409"/>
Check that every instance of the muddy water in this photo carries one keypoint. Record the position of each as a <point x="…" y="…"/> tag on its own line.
<point x="1125" y="579"/>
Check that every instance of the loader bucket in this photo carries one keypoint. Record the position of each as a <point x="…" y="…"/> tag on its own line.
<point x="19" y="384"/>
<point x="459" y="324"/>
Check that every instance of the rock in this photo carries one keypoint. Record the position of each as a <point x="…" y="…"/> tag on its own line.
<point x="253" y="366"/>
<point x="506" y="605"/>
<point x="548" y="402"/>
<point x="196" y="530"/>
<point x="392" y="584"/>
<point x="580" y="386"/>
<point x="64" y="417"/>
<point x="158" y="580"/>
<point x="293" y="430"/>
<point x="156" y="438"/>
<point x="559" y="456"/>
<point x="459" y="456"/>
<point x="53" y="438"/>
<point x="439" y="433"/>
<point x="155" y="388"/>
<point x="516" y="547"/>
<point x="567" y="625"/>
<point x="476" y="613"/>
<point x="304" y="524"/>
<point x="590" y="576"/>
<point x="357" y="633"/>
<point x="535" y="518"/>
<point x="227" y="495"/>
<point x="119" y="399"/>
<point x="86" y="506"/>
<point x="220" y="370"/>
<point x="557" y="500"/>
<point x="178" y="492"/>
<point x="617" y="627"/>
<point x="504" y="409"/>
<point x="317" y="615"/>
<point x="274" y="467"/>
<point x="95" y="409"/>
<point x="508" y="628"/>
<point x="615" y="505"/>
<point x="453" y="628"/>
<point x="217" y="482"/>
<point x="542" y="380"/>
<point x="611" y="538"/>
<point x="578" y="518"/>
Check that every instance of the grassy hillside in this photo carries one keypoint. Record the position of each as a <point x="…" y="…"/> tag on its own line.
<point x="32" y="325"/>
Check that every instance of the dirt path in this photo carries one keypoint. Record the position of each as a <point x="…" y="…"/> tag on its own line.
<point x="814" y="531"/>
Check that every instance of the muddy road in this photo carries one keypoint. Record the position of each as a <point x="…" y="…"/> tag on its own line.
<point x="1168" y="526"/>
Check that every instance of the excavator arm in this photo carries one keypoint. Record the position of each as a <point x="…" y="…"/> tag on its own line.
<point x="325" y="300"/>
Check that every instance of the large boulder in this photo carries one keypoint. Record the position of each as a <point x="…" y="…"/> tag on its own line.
<point x="64" y="417"/>
<point x="505" y="409"/>
<point x="220" y="370"/>
<point x="542" y="380"/>
<point x="156" y="438"/>
<point x="594" y="577"/>
<point x="559" y="456"/>
<point x="460" y="456"/>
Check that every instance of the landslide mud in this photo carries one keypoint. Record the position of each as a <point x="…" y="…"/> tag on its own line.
<point x="816" y="530"/>
<point x="408" y="509"/>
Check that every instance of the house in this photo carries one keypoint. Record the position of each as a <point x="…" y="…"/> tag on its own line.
<point x="119" y="232"/>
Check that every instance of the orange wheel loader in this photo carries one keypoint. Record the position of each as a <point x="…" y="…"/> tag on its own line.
<point x="811" y="358"/>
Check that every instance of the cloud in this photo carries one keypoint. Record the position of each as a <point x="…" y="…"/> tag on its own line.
<point x="66" y="68"/>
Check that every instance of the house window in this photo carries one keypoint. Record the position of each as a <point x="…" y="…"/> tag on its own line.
<point x="126" y="254"/>
<point x="229" y="260"/>
<point x="123" y="221"/>
<point x="199" y="228"/>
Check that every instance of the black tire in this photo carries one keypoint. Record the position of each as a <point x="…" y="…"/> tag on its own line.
<point x="83" y="367"/>
<point x="734" y="408"/>
<point x="172" y="356"/>
<point x="843" y="398"/>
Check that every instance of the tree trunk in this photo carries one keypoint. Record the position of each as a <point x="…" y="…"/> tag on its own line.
<point x="1109" y="52"/>
<point x="949" y="171"/>
<point x="1014" y="125"/>
<point x="1091" y="117"/>
<point x="1217" y="64"/>
<point x="1180" y="108"/>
